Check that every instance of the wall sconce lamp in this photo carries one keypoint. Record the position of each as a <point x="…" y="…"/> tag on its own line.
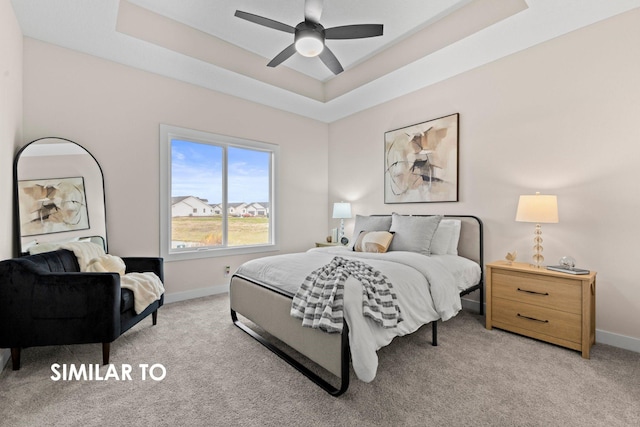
<point x="538" y="208"/>
<point x="341" y="210"/>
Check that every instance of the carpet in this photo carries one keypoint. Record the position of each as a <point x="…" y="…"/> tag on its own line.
<point x="201" y="370"/>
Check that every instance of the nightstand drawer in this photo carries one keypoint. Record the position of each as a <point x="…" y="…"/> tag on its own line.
<point x="551" y="292"/>
<point x="553" y="323"/>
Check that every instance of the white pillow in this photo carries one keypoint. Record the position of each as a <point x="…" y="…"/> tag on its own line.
<point x="445" y="239"/>
<point x="455" y="238"/>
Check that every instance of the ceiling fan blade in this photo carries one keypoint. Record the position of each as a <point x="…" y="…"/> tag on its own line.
<point x="313" y="10"/>
<point x="261" y="20"/>
<point x="283" y="56"/>
<point x="353" y="31"/>
<point x="331" y="61"/>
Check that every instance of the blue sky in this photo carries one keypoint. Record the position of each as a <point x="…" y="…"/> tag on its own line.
<point x="196" y="170"/>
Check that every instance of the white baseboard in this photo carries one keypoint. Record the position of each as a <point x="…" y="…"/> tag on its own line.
<point x="196" y="293"/>
<point x="471" y="305"/>
<point x="5" y="356"/>
<point x="617" y="340"/>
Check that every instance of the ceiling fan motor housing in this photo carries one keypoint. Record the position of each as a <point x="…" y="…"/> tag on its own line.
<point x="309" y="38"/>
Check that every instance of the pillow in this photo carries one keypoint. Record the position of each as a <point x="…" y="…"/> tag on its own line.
<point x="373" y="241"/>
<point x="369" y="223"/>
<point x="413" y="233"/>
<point x="445" y="239"/>
<point x="455" y="238"/>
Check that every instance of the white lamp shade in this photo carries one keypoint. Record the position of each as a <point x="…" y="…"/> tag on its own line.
<point x="538" y="208"/>
<point x="309" y="45"/>
<point x="342" y="210"/>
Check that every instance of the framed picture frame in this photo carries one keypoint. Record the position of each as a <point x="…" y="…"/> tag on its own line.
<point x="421" y="162"/>
<point x="52" y="205"/>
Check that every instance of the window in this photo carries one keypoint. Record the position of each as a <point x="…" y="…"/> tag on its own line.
<point x="216" y="195"/>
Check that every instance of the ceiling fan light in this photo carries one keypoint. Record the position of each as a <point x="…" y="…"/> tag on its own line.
<point x="309" y="44"/>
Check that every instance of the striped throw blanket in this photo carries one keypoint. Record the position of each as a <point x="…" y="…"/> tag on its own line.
<point x="319" y="300"/>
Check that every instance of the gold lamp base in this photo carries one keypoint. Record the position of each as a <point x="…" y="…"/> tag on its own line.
<point x="538" y="259"/>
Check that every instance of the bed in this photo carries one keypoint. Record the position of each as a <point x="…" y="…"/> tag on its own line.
<point x="430" y="267"/>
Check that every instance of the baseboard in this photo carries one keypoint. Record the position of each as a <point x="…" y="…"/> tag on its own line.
<point x="471" y="305"/>
<point x="617" y="340"/>
<point x="196" y="293"/>
<point x="5" y="356"/>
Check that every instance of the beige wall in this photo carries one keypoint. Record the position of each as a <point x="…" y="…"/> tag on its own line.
<point x="10" y="118"/>
<point x="115" y="111"/>
<point x="10" y="125"/>
<point x="559" y="118"/>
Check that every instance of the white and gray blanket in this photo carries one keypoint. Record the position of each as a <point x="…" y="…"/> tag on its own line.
<point x="319" y="301"/>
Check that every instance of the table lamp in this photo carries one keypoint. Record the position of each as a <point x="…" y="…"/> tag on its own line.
<point x="341" y="210"/>
<point x="538" y="208"/>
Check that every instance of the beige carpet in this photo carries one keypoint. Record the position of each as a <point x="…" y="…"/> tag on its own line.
<point x="216" y="375"/>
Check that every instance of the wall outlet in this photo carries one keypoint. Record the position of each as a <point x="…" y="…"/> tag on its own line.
<point x="227" y="270"/>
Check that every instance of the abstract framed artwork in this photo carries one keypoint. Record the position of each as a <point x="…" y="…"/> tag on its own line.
<point x="52" y="206"/>
<point x="421" y="162"/>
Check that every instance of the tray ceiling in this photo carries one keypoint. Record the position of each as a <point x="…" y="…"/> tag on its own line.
<point x="201" y="42"/>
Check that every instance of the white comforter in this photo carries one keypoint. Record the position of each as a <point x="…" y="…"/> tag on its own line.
<point x="426" y="290"/>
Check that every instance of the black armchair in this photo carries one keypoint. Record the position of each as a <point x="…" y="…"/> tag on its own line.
<point x="46" y="300"/>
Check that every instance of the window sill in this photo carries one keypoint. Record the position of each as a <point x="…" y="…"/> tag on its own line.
<point x="218" y="252"/>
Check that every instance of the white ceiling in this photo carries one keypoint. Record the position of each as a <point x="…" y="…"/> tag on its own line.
<point x="123" y="32"/>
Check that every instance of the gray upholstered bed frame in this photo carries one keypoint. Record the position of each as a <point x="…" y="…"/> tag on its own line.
<point x="269" y="308"/>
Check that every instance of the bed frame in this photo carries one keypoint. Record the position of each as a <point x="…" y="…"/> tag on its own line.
<point x="269" y="308"/>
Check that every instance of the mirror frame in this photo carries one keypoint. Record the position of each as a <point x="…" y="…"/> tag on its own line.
<point x="96" y="229"/>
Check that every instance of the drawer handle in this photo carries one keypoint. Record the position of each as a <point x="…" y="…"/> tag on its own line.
<point x="533" y="292"/>
<point x="532" y="318"/>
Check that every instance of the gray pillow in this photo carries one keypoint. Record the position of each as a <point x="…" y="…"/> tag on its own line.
<point x="413" y="233"/>
<point x="369" y="223"/>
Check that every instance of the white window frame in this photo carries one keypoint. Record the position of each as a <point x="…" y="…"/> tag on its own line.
<point x="167" y="133"/>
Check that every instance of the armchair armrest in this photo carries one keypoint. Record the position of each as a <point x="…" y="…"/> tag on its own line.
<point x="76" y="295"/>
<point x="145" y="264"/>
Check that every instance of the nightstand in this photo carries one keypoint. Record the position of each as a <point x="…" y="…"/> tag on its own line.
<point x="555" y="307"/>
<point x="323" y="244"/>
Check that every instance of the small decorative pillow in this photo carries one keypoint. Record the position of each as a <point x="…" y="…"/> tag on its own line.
<point x="373" y="241"/>
<point x="370" y="223"/>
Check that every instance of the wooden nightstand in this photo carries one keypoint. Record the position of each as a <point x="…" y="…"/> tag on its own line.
<point x="323" y="244"/>
<point x="559" y="308"/>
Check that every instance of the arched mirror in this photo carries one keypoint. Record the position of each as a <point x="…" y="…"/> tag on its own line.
<point x="59" y="194"/>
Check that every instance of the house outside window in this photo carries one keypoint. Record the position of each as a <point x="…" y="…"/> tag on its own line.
<point x="200" y="171"/>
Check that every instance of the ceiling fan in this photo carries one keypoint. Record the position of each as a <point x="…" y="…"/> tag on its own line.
<point x="310" y="35"/>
